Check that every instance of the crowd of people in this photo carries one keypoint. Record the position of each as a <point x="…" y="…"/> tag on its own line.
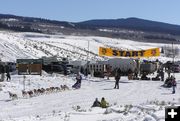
<point x="169" y="82"/>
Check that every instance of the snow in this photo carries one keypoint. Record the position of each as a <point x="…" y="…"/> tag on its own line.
<point x="135" y="100"/>
<point x="10" y="19"/>
<point x="15" y="45"/>
<point x="143" y="100"/>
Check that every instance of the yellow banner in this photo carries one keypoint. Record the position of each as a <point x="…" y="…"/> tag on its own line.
<point x="121" y="53"/>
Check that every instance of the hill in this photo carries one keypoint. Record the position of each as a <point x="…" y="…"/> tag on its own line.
<point x="131" y="28"/>
<point x="14" y="45"/>
<point x="135" y="24"/>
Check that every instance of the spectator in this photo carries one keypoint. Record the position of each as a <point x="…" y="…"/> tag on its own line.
<point x="2" y="72"/>
<point x="104" y="104"/>
<point x="162" y="75"/>
<point x="7" y="73"/>
<point x="96" y="103"/>
<point x="173" y="84"/>
<point x="117" y="78"/>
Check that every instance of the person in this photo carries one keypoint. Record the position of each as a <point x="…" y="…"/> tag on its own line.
<point x="117" y="78"/>
<point x="77" y="85"/>
<point x="78" y="78"/>
<point x="108" y="70"/>
<point x="7" y="73"/>
<point x="103" y="103"/>
<point x="173" y="84"/>
<point x="168" y="82"/>
<point x="162" y="75"/>
<point x="168" y="71"/>
<point x="96" y="103"/>
<point x="2" y="72"/>
<point x="136" y="74"/>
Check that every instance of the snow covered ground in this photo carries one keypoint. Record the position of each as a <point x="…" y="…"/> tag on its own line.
<point x="135" y="100"/>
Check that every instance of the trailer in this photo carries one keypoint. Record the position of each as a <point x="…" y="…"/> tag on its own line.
<point x="132" y="67"/>
<point x="126" y="66"/>
<point x="97" y="68"/>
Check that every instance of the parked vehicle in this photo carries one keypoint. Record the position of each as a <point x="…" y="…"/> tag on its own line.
<point x="12" y="66"/>
<point x="54" y="67"/>
<point x="126" y="66"/>
<point x="175" y="68"/>
<point x="172" y="67"/>
<point x="146" y="68"/>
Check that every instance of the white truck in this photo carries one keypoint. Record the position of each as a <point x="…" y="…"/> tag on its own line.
<point x="125" y="65"/>
<point x="132" y="67"/>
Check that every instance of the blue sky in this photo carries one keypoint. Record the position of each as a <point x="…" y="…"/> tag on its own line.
<point x="81" y="10"/>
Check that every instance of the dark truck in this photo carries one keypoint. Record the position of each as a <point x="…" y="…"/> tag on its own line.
<point x="146" y="68"/>
<point x="172" y="67"/>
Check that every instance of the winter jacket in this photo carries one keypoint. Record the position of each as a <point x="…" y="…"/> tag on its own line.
<point x="117" y="77"/>
<point x="173" y="82"/>
<point x="78" y="78"/>
<point x="104" y="104"/>
<point x="96" y="103"/>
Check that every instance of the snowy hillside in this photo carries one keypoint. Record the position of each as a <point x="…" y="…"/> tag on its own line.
<point x="33" y="45"/>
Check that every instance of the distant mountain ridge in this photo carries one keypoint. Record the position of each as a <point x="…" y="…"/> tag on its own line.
<point x="131" y="28"/>
<point x="135" y="24"/>
<point x="20" y="23"/>
<point x="31" y="19"/>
